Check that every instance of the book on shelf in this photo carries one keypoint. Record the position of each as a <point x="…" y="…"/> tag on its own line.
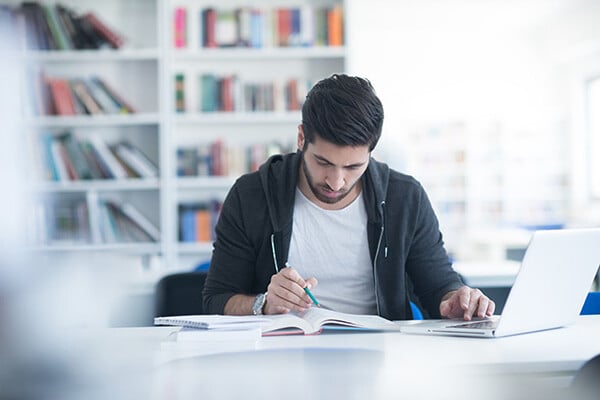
<point x="61" y="221"/>
<point x="122" y="222"/>
<point x="197" y="221"/>
<point x="74" y="96"/>
<point x="138" y="218"/>
<point x="63" y="156"/>
<point x="112" y="37"/>
<point x="180" y="92"/>
<point x="45" y="26"/>
<point x="255" y="27"/>
<point x="107" y="158"/>
<point x="180" y="27"/>
<point x="82" y="93"/>
<point x="315" y="320"/>
<point x="221" y="159"/>
<point x="124" y="106"/>
<point x="139" y="162"/>
<point x="228" y="93"/>
<point x="62" y="97"/>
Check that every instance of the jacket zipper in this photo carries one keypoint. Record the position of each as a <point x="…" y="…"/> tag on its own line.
<point x="274" y="254"/>
<point x="381" y="232"/>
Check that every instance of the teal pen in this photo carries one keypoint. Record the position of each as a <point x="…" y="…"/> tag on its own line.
<point x="312" y="297"/>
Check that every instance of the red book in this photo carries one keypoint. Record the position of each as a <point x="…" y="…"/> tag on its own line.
<point x="292" y="95"/>
<point x="227" y="93"/>
<point x="210" y="28"/>
<point x="284" y="26"/>
<point x="61" y="96"/>
<point x="108" y="34"/>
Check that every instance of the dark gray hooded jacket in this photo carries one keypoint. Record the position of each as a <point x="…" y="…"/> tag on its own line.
<point x="406" y="247"/>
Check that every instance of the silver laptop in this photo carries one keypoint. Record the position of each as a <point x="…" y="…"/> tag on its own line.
<point x="556" y="274"/>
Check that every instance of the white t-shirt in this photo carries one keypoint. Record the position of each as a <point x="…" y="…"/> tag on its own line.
<point x="332" y="246"/>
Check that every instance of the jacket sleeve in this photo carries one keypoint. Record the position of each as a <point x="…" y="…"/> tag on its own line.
<point x="428" y="264"/>
<point x="233" y="257"/>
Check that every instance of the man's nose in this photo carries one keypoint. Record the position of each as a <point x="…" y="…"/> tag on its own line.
<point x="335" y="180"/>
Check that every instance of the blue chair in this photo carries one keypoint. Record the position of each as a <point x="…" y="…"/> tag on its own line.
<point x="417" y="314"/>
<point x="592" y="304"/>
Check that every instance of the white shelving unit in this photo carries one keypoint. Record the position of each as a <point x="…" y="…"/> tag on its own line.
<point x="143" y="71"/>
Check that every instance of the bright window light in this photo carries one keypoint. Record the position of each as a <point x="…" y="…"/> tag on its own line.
<point x="594" y="136"/>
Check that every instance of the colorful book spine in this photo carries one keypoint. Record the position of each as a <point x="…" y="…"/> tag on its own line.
<point x="180" y="93"/>
<point x="180" y="28"/>
<point x="114" y="39"/>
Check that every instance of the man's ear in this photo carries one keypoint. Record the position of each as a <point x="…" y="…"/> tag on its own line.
<point x="300" y="137"/>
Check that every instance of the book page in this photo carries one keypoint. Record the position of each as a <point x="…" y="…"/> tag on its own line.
<point x="288" y="324"/>
<point x="318" y="317"/>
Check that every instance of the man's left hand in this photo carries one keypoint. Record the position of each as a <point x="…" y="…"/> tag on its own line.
<point x="466" y="303"/>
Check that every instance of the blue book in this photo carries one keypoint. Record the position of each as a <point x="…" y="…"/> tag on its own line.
<point x="187" y="223"/>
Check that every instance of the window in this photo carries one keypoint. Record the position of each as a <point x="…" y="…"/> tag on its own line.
<point x="593" y="136"/>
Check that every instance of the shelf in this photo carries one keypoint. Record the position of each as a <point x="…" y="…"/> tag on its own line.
<point x="205" y="182"/>
<point x="91" y="55"/>
<point x="127" y="248"/>
<point x="234" y="118"/>
<point x="97" y="185"/>
<point x="194" y="248"/>
<point x="94" y="120"/>
<point x="274" y="53"/>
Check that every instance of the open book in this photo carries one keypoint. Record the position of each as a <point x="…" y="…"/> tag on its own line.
<point x="315" y="319"/>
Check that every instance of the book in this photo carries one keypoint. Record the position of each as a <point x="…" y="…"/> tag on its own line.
<point x="114" y="39"/>
<point x="140" y="219"/>
<point x="222" y="322"/>
<point x="180" y="27"/>
<point x="316" y="319"/>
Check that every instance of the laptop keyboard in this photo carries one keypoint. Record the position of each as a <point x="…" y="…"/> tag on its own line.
<point x="477" y="325"/>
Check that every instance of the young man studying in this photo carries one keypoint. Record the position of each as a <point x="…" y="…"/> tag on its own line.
<point x="331" y="219"/>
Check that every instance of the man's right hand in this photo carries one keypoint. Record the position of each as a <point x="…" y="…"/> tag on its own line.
<point x="286" y="292"/>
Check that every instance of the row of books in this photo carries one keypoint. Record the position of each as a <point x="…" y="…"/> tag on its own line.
<point x="197" y="221"/>
<point x="221" y="159"/>
<point x="42" y="26"/>
<point x="260" y="27"/>
<point x="64" y="157"/>
<point x="76" y="96"/>
<point x="229" y="93"/>
<point x="84" y="221"/>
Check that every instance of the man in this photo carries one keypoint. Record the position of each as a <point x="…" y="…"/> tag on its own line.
<point x="330" y="218"/>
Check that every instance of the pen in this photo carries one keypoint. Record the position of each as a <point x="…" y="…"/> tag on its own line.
<point x="312" y="297"/>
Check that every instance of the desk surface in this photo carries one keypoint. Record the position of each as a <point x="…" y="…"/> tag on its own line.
<point x="359" y="365"/>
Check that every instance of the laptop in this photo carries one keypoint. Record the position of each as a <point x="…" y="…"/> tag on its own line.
<point x="556" y="274"/>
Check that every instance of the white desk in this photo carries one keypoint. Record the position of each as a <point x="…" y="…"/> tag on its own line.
<point x="353" y="365"/>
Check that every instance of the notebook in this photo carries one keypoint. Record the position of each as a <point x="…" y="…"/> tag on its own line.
<point x="555" y="276"/>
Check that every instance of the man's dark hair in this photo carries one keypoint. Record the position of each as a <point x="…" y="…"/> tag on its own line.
<point x="343" y="110"/>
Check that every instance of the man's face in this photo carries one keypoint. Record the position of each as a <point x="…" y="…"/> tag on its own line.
<point x="332" y="172"/>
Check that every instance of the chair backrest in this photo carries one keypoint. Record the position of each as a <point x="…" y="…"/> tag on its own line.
<point x="179" y="294"/>
<point x="592" y="304"/>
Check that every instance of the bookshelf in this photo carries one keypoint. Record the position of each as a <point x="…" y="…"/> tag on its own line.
<point x="143" y="72"/>
<point x="242" y="125"/>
